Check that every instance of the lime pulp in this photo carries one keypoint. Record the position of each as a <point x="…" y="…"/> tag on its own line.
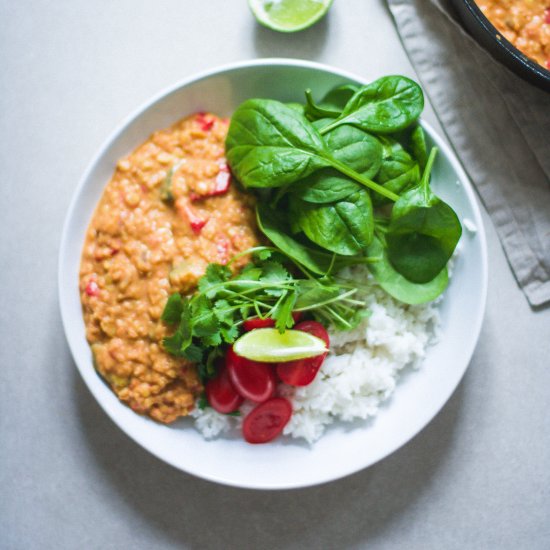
<point x="289" y="15"/>
<point x="270" y="346"/>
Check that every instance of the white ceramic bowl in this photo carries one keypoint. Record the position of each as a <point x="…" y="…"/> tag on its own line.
<point x="284" y="463"/>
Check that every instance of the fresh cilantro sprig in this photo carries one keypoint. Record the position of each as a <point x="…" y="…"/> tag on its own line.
<point x="265" y="288"/>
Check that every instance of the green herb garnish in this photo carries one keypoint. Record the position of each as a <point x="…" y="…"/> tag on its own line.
<point x="267" y="288"/>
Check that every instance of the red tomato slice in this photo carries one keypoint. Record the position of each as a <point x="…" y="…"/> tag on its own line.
<point x="303" y="371"/>
<point x="300" y="372"/>
<point x="253" y="380"/>
<point x="221" y="393"/>
<point x="315" y="328"/>
<point x="266" y="421"/>
<point x="297" y="315"/>
<point x="256" y="322"/>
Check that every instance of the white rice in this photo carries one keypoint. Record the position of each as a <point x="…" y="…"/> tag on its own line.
<point x="360" y="372"/>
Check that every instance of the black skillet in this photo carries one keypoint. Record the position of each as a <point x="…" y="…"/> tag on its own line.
<point x="502" y="50"/>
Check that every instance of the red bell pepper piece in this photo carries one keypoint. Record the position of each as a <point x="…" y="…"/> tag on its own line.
<point x="92" y="288"/>
<point x="204" y="122"/>
<point x="184" y="210"/>
<point x="221" y="185"/>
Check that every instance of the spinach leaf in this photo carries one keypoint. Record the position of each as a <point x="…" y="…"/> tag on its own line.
<point x="387" y="105"/>
<point x="344" y="227"/>
<point x="321" y="123"/>
<point x="338" y="97"/>
<point x="359" y="150"/>
<point x="315" y="112"/>
<point x="423" y="231"/>
<point x="396" y="285"/>
<point x="398" y="171"/>
<point x="273" y="226"/>
<point x="332" y="105"/>
<point x="325" y="186"/>
<point x="298" y="107"/>
<point x="293" y="217"/>
<point x="418" y="146"/>
<point x="270" y="144"/>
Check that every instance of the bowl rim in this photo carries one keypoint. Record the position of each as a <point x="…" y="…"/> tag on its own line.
<point x="445" y="150"/>
<point x="501" y="42"/>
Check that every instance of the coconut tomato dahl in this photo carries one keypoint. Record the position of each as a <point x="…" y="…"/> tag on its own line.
<point x="525" y="23"/>
<point x="168" y="211"/>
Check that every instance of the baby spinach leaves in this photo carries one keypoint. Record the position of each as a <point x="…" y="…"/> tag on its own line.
<point x="344" y="226"/>
<point x="324" y="186"/>
<point x="270" y="144"/>
<point x="357" y="149"/>
<point x="398" y="286"/>
<point x="274" y="227"/>
<point x="387" y="105"/>
<point x="332" y="105"/>
<point x="326" y="170"/>
<point x="398" y="170"/>
<point x="338" y="97"/>
<point x="423" y="231"/>
<point x="418" y="146"/>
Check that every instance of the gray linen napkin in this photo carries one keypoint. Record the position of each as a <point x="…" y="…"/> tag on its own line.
<point x="499" y="126"/>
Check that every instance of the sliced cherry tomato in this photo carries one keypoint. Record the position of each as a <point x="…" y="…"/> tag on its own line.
<point x="300" y="372"/>
<point x="221" y="393"/>
<point x="315" y="328"/>
<point x="265" y="422"/>
<point x="253" y="380"/>
<point x="297" y="315"/>
<point x="256" y="322"/>
<point x="303" y="371"/>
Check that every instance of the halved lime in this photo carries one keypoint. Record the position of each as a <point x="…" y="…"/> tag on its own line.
<point x="270" y="346"/>
<point x="289" y="15"/>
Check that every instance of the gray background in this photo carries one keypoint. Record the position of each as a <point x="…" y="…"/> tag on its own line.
<point x="477" y="477"/>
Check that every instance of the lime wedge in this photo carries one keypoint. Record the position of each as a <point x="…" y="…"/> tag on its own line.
<point x="270" y="346"/>
<point x="289" y="15"/>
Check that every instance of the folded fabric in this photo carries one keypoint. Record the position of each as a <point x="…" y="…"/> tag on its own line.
<point x="499" y="126"/>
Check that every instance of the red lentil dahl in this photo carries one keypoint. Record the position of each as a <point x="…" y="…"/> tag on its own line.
<point x="525" y="23"/>
<point x="140" y="248"/>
